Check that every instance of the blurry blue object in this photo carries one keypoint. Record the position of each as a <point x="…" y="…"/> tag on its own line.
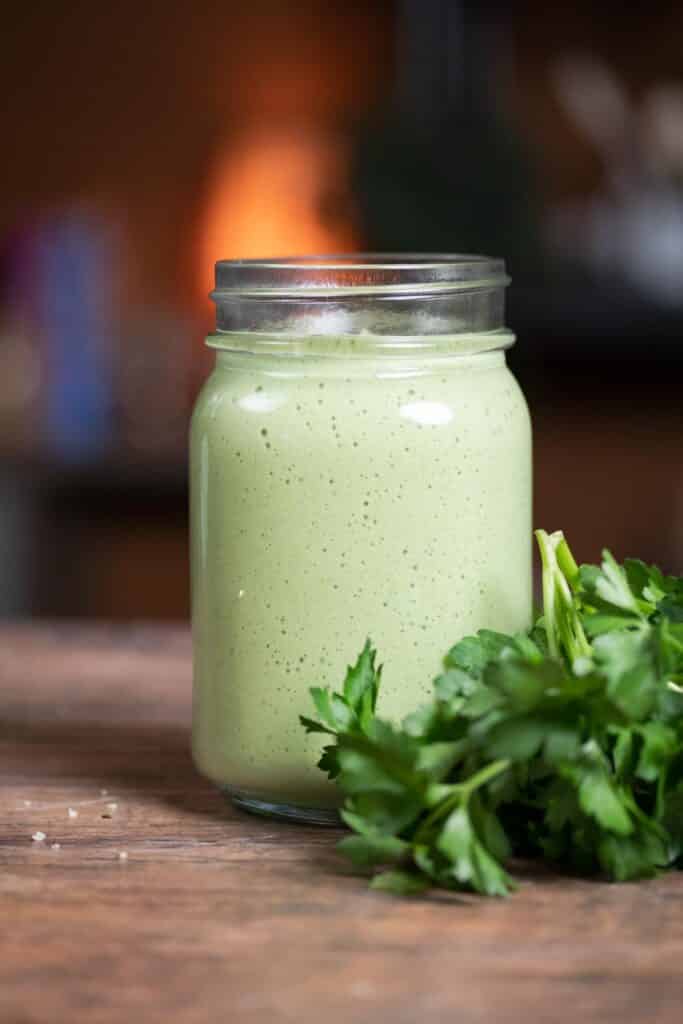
<point x="71" y="297"/>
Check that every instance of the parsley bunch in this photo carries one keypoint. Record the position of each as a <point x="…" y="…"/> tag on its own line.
<point x="564" y="743"/>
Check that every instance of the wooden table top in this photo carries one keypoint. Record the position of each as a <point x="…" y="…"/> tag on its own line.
<point x="171" y="902"/>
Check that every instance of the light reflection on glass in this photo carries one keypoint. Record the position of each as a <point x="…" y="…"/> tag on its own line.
<point x="427" y="414"/>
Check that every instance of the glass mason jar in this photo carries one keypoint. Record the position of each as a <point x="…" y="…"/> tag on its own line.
<point x="360" y="466"/>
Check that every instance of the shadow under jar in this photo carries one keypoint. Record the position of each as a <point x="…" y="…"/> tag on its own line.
<point x="360" y="465"/>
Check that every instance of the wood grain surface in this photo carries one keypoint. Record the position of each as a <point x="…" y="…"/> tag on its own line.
<point x="212" y="915"/>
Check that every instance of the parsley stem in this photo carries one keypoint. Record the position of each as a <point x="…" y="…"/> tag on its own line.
<point x="567" y="563"/>
<point x="441" y="810"/>
<point x="483" y="776"/>
<point x="560" y="574"/>
<point x="545" y="548"/>
<point x="458" y="793"/>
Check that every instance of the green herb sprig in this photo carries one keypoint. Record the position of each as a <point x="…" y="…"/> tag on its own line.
<point x="564" y="743"/>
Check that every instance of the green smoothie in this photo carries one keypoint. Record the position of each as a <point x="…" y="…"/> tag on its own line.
<point x="337" y="493"/>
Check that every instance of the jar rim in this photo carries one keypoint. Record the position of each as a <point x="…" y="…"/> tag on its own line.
<point x="336" y="276"/>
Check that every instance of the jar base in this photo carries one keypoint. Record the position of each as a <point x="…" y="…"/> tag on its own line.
<point x="283" y="812"/>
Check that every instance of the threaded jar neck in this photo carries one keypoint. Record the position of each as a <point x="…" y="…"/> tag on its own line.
<point x="384" y="296"/>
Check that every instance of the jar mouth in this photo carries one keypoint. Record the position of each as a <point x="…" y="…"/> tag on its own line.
<point x="340" y="276"/>
<point x="398" y="294"/>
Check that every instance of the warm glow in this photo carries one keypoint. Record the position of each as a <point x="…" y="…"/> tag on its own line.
<point x="275" y="193"/>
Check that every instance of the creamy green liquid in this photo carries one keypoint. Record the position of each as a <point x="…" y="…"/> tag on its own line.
<point x="335" y="498"/>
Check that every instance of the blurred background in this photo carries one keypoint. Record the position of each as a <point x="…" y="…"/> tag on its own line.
<point x="144" y="141"/>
